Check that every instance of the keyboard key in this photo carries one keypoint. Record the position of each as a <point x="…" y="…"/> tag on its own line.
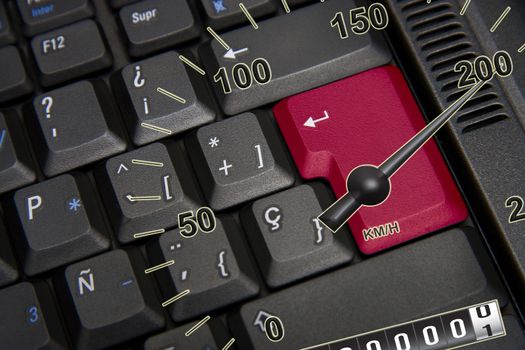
<point x="74" y="126"/>
<point x="438" y="274"/>
<point x="70" y="52"/>
<point x="213" y="267"/>
<point x="108" y="300"/>
<point x="151" y="25"/>
<point x="319" y="56"/>
<point x="151" y="115"/>
<point x="349" y="107"/>
<point x="288" y="240"/>
<point x="16" y="166"/>
<point x="226" y="13"/>
<point x="56" y="222"/>
<point x="29" y="318"/>
<point x="6" y="31"/>
<point x="39" y="16"/>
<point x="206" y="337"/>
<point x="8" y="270"/>
<point x="145" y="189"/>
<point x="14" y="82"/>
<point x="239" y="159"/>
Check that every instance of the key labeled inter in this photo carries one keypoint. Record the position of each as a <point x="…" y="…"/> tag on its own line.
<point x="74" y="126"/>
<point x="56" y="222"/>
<point x="39" y="16"/>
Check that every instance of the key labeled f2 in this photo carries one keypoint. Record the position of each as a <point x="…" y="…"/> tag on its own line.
<point x="190" y="222"/>
<point x="361" y="20"/>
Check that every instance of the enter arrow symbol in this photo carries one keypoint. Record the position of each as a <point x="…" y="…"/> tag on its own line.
<point x="311" y="121"/>
<point x="232" y="54"/>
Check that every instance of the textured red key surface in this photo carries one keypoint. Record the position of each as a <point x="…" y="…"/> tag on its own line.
<point x="360" y="120"/>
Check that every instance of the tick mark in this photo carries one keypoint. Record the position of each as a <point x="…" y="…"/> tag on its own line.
<point x="171" y="95"/>
<point x="218" y="38"/>
<point x="286" y="7"/>
<point x="465" y="6"/>
<point x="149" y="233"/>
<point x="192" y="65"/>
<point x="159" y="266"/>
<point x="176" y="297"/>
<point x="248" y="15"/>
<point x="194" y="328"/>
<point x="228" y="344"/>
<point x="520" y="50"/>
<point x="156" y="128"/>
<point x="500" y="19"/>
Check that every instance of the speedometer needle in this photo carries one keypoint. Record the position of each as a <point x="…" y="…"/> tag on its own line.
<point x="370" y="185"/>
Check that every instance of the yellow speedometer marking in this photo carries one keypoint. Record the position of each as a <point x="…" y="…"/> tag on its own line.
<point x="192" y="65"/>
<point x="175" y="298"/>
<point x="159" y="266"/>
<point x="194" y="328"/>
<point x="218" y="38"/>
<point x="500" y="19"/>
<point x="248" y="15"/>
<point x="286" y="7"/>
<point x="464" y="8"/>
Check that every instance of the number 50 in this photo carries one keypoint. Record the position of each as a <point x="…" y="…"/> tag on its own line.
<point x="191" y="223"/>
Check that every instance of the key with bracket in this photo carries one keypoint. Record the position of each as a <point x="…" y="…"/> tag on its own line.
<point x="239" y="159"/>
<point x="145" y="189"/>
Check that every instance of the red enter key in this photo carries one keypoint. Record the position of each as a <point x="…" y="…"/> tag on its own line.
<point x="360" y="120"/>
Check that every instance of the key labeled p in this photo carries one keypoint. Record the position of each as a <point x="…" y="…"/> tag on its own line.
<point x="33" y="203"/>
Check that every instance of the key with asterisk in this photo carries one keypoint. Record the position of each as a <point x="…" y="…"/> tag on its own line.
<point x="56" y="222"/>
<point x="225" y="13"/>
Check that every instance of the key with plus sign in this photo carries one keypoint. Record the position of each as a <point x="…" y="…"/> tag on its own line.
<point x="239" y="159"/>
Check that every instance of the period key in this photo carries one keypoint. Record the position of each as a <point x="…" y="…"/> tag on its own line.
<point x="338" y="127"/>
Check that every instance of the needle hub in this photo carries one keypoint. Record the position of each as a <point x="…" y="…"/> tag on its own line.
<point x="368" y="185"/>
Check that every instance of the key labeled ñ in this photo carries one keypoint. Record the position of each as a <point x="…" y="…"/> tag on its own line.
<point x="363" y="119"/>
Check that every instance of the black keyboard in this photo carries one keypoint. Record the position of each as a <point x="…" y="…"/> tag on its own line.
<point x="262" y="174"/>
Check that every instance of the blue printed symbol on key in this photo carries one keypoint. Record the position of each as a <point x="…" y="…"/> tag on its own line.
<point x="32" y="314"/>
<point x="3" y="134"/>
<point x="74" y="205"/>
<point x="219" y="6"/>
